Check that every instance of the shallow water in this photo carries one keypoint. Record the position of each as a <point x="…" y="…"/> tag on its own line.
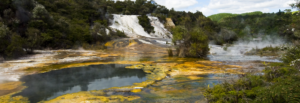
<point x="47" y="86"/>
<point x="180" y="89"/>
<point x="237" y="52"/>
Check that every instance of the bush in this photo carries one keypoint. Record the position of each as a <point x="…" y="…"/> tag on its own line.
<point x="193" y="43"/>
<point x="114" y="34"/>
<point x="279" y="84"/>
<point x="292" y="54"/>
<point x="15" y="49"/>
<point x="33" y="40"/>
<point x="144" y="21"/>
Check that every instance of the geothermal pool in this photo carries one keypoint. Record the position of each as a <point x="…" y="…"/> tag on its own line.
<point x="114" y="75"/>
<point x="47" y="86"/>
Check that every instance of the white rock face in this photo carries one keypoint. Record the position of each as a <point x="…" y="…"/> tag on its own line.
<point x="129" y="24"/>
<point x="107" y="31"/>
<point x="159" y="28"/>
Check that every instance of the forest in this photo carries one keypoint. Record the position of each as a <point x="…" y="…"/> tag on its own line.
<point x="257" y="24"/>
<point x="27" y="25"/>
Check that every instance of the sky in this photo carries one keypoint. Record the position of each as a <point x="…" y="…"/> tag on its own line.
<point x="210" y="7"/>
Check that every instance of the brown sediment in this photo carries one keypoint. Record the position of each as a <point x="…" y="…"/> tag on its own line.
<point x="10" y="87"/>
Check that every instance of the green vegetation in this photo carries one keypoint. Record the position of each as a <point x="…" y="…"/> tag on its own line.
<point x="267" y="51"/>
<point x="220" y="16"/>
<point x="279" y="82"/>
<point x="145" y="22"/>
<point x="292" y="55"/>
<point x="26" y="25"/>
<point x="192" y="33"/>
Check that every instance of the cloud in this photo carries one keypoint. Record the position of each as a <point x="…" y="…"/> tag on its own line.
<point x="177" y="4"/>
<point x="242" y="6"/>
<point x="209" y="7"/>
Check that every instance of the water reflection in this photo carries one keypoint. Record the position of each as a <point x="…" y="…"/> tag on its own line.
<point x="182" y="89"/>
<point x="50" y="85"/>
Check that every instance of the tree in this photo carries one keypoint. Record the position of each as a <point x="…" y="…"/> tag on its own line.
<point x="139" y="3"/>
<point x="39" y="12"/>
<point x="191" y="43"/>
<point x="110" y="10"/>
<point x="144" y="10"/>
<point x="296" y="5"/>
<point x="288" y="11"/>
<point x="4" y="37"/>
<point x="33" y="40"/>
<point x="5" y="4"/>
<point x="15" y="48"/>
<point x="172" y="13"/>
<point x="99" y="33"/>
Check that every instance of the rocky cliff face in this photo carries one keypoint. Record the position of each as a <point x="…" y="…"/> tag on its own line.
<point x="169" y="22"/>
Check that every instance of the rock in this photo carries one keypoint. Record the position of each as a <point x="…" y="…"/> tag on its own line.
<point x="170" y="23"/>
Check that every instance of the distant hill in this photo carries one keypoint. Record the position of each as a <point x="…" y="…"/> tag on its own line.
<point x="220" y="16"/>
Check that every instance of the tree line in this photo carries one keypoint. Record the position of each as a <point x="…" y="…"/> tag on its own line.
<point x="278" y="82"/>
<point x="26" y="25"/>
<point x="257" y="24"/>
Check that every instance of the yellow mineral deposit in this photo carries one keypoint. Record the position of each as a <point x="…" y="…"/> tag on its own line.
<point x="136" y="90"/>
<point x="194" y="77"/>
<point x="10" y="88"/>
<point x="86" y="97"/>
<point x="110" y="44"/>
<point x="132" y="43"/>
<point x="16" y="99"/>
<point x="156" y="71"/>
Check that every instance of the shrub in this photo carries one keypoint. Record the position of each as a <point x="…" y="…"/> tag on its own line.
<point x="144" y="21"/>
<point x="15" y="49"/>
<point x="279" y="84"/>
<point x="193" y="43"/>
<point x="33" y="40"/>
<point x="292" y="54"/>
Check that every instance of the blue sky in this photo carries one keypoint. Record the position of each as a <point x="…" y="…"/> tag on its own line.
<point x="209" y="7"/>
